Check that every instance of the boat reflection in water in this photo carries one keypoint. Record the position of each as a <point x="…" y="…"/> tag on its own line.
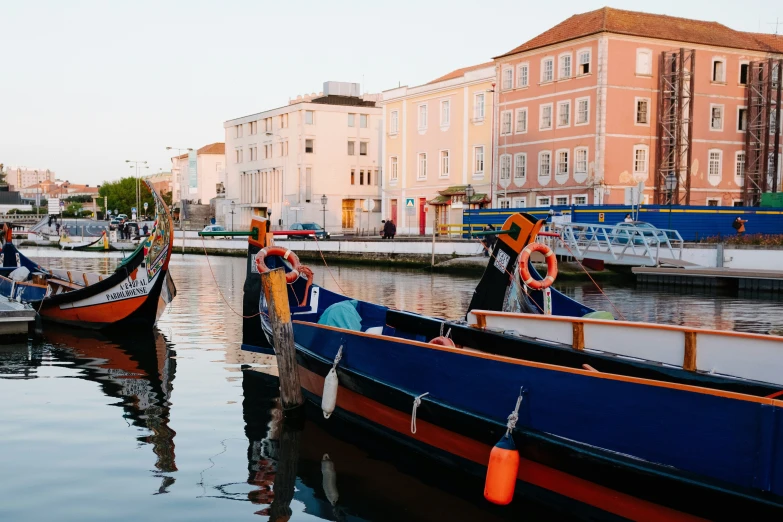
<point x="139" y="372"/>
<point x="338" y="470"/>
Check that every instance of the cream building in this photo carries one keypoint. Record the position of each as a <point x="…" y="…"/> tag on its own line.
<point x="22" y="177"/>
<point x="283" y="161"/>
<point x="196" y="175"/>
<point x="437" y="140"/>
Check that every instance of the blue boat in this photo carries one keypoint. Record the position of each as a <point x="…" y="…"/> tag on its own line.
<point x="638" y="440"/>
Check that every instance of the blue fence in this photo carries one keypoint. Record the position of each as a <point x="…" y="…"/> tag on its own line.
<point x="693" y="223"/>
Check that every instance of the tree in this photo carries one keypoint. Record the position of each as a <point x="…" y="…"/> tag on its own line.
<point x="2" y="174"/>
<point x="73" y="210"/>
<point x="122" y="195"/>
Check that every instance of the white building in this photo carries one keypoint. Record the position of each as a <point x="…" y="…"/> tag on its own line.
<point x="281" y="162"/>
<point x="195" y="176"/>
<point x="21" y="177"/>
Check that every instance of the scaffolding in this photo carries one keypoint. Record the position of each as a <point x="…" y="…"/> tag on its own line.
<point x="762" y="130"/>
<point x="675" y="127"/>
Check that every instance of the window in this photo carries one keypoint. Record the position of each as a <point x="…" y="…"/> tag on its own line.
<point x="521" y="121"/>
<point x="715" y="166"/>
<point x="520" y="168"/>
<point x="284" y="121"/>
<point x="543" y="201"/>
<point x="505" y="169"/>
<point x="253" y="127"/>
<point x="444" y="164"/>
<point x="743" y="78"/>
<point x="363" y="148"/>
<point x="284" y="148"/>
<point x="351" y="148"/>
<point x="237" y="131"/>
<point x="445" y="113"/>
<point x="739" y="168"/>
<point x="353" y="177"/>
<point x="351" y="120"/>
<point x="422" y="117"/>
<point x="640" y="159"/>
<point x="238" y="156"/>
<point x="523" y="71"/>
<point x="564" y="71"/>
<point x="718" y="70"/>
<point x="309" y="117"/>
<point x="519" y="202"/>
<point x="422" y="166"/>
<point x="562" y="164"/>
<point x="582" y="111"/>
<point x="742" y="119"/>
<point x="644" y="62"/>
<point x="363" y="121"/>
<point x="309" y="146"/>
<point x="546" y="117"/>
<point x="504" y="202"/>
<point x="478" y="106"/>
<point x="508" y="78"/>
<point x="580" y="200"/>
<point x="583" y="62"/>
<point x="580" y="164"/>
<point x="505" y="123"/>
<point x="738" y="203"/>
<point x="478" y="159"/>
<point x="716" y="117"/>
<point x="544" y="165"/>
<point x="361" y="177"/>
<point x="564" y="114"/>
<point x="561" y="200"/>
<point x="773" y="121"/>
<point x="713" y="202"/>
<point x="393" y="168"/>
<point x="642" y="111"/>
<point x="547" y="70"/>
<point x="394" y="122"/>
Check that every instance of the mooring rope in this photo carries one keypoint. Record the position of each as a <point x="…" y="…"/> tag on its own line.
<point x="416" y="404"/>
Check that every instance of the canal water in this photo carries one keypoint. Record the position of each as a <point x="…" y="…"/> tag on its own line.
<point x="181" y="424"/>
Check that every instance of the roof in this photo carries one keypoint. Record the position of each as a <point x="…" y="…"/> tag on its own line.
<point x="649" y="25"/>
<point x="334" y="99"/>
<point x="460" y="72"/>
<point x="212" y="148"/>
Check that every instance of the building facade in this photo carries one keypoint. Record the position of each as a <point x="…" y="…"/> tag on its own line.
<point x="283" y="162"/>
<point x="161" y="182"/>
<point x="196" y="175"/>
<point x="23" y="177"/>
<point x="610" y="99"/>
<point x="437" y="140"/>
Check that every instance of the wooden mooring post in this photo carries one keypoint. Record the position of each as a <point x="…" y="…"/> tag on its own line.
<point x="276" y="293"/>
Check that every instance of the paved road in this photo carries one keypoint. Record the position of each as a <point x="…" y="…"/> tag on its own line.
<point x="78" y="227"/>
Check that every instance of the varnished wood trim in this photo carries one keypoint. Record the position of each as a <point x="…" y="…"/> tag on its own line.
<point x="70" y="280"/>
<point x="689" y="360"/>
<point x="578" y="342"/>
<point x="84" y="276"/>
<point x="481" y="321"/>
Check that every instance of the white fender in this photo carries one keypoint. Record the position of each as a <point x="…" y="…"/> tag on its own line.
<point x="329" y="397"/>
<point x="329" y="479"/>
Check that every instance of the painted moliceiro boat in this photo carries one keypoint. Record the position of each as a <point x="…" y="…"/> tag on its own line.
<point x="101" y="244"/>
<point x="639" y="438"/>
<point x="136" y="293"/>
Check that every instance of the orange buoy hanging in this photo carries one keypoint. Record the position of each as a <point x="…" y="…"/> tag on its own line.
<point x="286" y="254"/>
<point x="551" y="266"/>
<point x="442" y="340"/>
<point x="502" y="471"/>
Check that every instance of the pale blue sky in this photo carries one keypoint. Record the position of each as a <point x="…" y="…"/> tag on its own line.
<point x="86" y="85"/>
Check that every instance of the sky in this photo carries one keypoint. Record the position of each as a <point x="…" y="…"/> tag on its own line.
<point x="86" y="85"/>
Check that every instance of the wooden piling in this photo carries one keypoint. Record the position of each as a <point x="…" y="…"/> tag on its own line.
<point x="276" y="292"/>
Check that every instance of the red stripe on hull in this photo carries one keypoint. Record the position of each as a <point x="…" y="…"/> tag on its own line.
<point x="96" y="315"/>
<point x="531" y="472"/>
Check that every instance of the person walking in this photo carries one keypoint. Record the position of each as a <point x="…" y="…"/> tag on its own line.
<point x="739" y="225"/>
<point x="488" y="241"/>
<point x="146" y="230"/>
<point x="628" y="218"/>
<point x="383" y="229"/>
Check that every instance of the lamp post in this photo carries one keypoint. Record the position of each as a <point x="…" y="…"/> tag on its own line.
<point x="671" y="184"/>
<point x="469" y="193"/>
<point x="233" y="204"/>
<point x="137" y="164"/>
<point x="324" y="200"/>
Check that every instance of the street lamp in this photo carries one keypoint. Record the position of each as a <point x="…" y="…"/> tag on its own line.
<point x="469" y="193"/>
<point x="137" y="164"/>
<point x="671" y="184"/>
<point x="324" y="201"/>
<point x="233" y="203"/>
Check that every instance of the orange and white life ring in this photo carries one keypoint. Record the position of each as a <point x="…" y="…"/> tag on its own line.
<point x="551" y="266"/>
<point x="286" y="254"/>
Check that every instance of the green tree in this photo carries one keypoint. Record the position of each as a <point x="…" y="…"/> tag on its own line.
<point x="122" y="196"/>
<point x="73" y="210"/>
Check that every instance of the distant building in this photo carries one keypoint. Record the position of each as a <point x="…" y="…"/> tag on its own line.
<point x="196" y="175"/>
<point x="437" y="140"/>
<point x="58" y="189"/>
<point x="22" y="177"/>
<point x="609" y="99"/>
<point x="161" y="181"/>
<point x="283" y="161"/>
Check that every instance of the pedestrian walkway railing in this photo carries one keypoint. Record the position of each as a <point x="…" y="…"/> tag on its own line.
<point x="622" y="244"/>
<point x="459" y="229"/>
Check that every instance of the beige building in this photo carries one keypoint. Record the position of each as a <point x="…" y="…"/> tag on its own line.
<point x="22" y="177"/>
<point x="282" y="162"/>
<point x="196" y="175"/>
<point x="437" y="140"/>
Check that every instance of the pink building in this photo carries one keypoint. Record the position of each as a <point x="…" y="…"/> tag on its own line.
<point x="587" y="111"/>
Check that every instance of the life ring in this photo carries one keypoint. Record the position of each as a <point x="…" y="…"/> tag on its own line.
<point x="551" y="266"/>
<point x="286" y="254"/>
<point x="443" y="341"/>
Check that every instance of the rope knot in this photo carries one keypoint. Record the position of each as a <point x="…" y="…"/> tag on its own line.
<point x="514" y="416"/>
<point x="416" y="404"/>
<point x="338" y="357"/>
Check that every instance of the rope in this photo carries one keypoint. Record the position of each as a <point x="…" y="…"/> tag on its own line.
<point x="416" y="404"/>
<point x="619" y="313"/>
<point x="218" y="286"/>
<point x="337" y="358"/>
<point x="315" y="237"/>
<point x="514" y="417"/>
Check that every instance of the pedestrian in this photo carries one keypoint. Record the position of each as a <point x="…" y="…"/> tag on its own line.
<point x="57" y="228"/>
<point x="489" y="240"/>
<point x="383" y="229"/>
<point x="628" y="218"/>
<point x="739" y="225"/>
<point x="392" y="229"/>
<point x="146" y="230"/>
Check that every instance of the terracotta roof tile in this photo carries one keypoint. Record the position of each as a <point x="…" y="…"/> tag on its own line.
<point x="212" y="148"/>
<point x="459" y="72"/>
<point x="650" y="25"/>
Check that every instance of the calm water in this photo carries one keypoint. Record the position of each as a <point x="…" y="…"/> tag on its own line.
<point x="169" y="424"/>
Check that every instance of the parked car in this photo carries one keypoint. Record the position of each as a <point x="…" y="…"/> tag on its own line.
<point x="122" y="217"/>
<point x="636" y="229"/>
<point x="320" y="233"/>
<point x="114" y="223"/>
<point x="214" y="228"/>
